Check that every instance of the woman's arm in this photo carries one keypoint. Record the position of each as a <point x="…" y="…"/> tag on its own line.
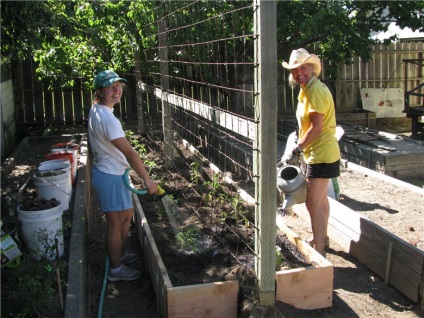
<point x="317" y="121"/>
<point x="135" y="162"/>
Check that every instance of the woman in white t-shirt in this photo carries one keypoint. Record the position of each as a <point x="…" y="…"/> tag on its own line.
<point x="113" y="154"/>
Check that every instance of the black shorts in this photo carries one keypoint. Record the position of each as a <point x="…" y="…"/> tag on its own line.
<point x="323" y="170"/>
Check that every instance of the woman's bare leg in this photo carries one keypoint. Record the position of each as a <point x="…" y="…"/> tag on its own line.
<point x="318" y="208"/>
<point x="118" y="223"/>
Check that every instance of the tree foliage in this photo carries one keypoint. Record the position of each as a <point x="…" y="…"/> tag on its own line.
<point x="341" y="29"/>
<point x="77" y="38"/>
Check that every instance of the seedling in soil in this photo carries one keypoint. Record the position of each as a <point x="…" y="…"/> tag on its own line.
<point x="187" y="239"/>
<point x="215" y="187"/>
<point x="194" y="172"/>
<point x="150" y="165"/>
<point x="161" y="214"/>
<point x="279" y="258"/>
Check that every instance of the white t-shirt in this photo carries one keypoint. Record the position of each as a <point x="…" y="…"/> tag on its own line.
<point x="103" y="127"/>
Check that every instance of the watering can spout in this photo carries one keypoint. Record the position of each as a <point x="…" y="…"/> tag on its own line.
<point x="291" y="182"/>
<point x="290" y="199"/>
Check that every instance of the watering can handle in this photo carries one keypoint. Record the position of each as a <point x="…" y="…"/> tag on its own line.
<point x="127" y="183"/>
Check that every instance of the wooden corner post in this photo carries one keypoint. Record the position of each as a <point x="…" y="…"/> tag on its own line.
<point x="164" y="80"/>
<point x="265" y="146"/>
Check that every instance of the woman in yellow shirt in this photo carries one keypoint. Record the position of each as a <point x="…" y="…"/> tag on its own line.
<point x="317" y="127"/>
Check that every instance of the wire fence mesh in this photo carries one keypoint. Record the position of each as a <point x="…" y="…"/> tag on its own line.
<point x="204" y="54"/>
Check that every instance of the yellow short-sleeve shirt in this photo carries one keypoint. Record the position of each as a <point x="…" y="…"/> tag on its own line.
<point x="316" y="97"/>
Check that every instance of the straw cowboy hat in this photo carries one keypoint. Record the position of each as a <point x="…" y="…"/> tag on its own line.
<point x="300" y="57"/>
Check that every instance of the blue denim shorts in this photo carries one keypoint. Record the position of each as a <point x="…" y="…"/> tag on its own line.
<point x="111" y="191"/>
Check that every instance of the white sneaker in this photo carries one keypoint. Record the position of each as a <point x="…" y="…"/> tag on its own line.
<point x="125" y="273"/>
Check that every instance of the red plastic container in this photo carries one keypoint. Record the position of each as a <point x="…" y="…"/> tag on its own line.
<point x="66" y="150"/>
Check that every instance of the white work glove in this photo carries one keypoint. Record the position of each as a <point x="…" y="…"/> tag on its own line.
<point x="291" y="153"/>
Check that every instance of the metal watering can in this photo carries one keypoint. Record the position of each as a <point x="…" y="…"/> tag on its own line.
<point x="291" y="181"/>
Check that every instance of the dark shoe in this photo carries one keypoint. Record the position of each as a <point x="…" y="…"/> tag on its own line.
<point x="128" y="258"/>
<point x="125" y="273"/>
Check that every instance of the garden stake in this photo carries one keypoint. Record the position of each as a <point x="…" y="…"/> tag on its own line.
<point x="60" y="287"/>
<point x="58" y="273"/>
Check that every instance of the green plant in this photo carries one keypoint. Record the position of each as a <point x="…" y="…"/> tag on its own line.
<point x="224" y="216"/>
<point x="187" y="239"/>
<point x="194" y="172"/>
<point x="160" y="213"/>
<point x="29" y="288"/>
<point x="215" y="189"/>
<point x="134" y="141"/>
<point x="279" y="258"/>
<point x="150" y="165"/>
<point x="170" y="196"/>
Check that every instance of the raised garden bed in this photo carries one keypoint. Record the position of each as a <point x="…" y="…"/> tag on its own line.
<point x="399" y="263"/>
<point x="183" y="284"/>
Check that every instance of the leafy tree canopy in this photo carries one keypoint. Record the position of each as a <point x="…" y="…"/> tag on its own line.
<point x="78" y="38"/>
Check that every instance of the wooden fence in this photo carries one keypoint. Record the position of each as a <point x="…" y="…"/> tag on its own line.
<point x="36" y="104"/>
<point x="386" y="69"/>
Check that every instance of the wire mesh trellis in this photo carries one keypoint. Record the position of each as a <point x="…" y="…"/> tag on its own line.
<point x="209" y="70"/>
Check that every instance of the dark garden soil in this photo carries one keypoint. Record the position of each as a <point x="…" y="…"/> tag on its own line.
<point x="212" y="238"/>
<point x="226" y="238"/>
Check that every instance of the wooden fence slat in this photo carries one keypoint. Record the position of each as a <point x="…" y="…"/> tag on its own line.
<point x="48" y="103"/>
<point x="28" y="93"/>
<point x="67" y="103"/>
<point x="58" y="107"/>
<point x="77" y="99"/>
<point x="38" y="102"/>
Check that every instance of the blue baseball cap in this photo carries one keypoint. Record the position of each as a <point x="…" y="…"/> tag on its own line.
<point x="107" y="78"/>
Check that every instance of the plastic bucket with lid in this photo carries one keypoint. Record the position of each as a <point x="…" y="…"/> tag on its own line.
<point x="57" y="166"/>
<point x="65" y="155"/>
<point x="53" y="184"/>
<point x="66" y="149"/>
<point x="61" y="158"/>
<point x="40" y="229"/>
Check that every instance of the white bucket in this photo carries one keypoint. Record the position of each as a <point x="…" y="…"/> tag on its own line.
<point x="53" y="186"/>
<point x="40" y="229"/>
<point x="67" y="161"/>
<point x="54" y="166"/>
<point x="74" y="152"/>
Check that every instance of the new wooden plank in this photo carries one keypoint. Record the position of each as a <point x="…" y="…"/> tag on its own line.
<point x="156" y="268"/>
<point x="305" y="288"/>
<point x="310" y="254"/>
<point x="212" y="300"/>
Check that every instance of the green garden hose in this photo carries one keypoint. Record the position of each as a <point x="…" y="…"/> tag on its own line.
<point x="127" y="183"/>
<point x="102" y="295"/>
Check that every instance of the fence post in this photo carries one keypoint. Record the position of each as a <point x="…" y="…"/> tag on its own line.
<point x="139" y="93"/>
<point x="164" y="79"/>
<point x="265" y="147"/>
